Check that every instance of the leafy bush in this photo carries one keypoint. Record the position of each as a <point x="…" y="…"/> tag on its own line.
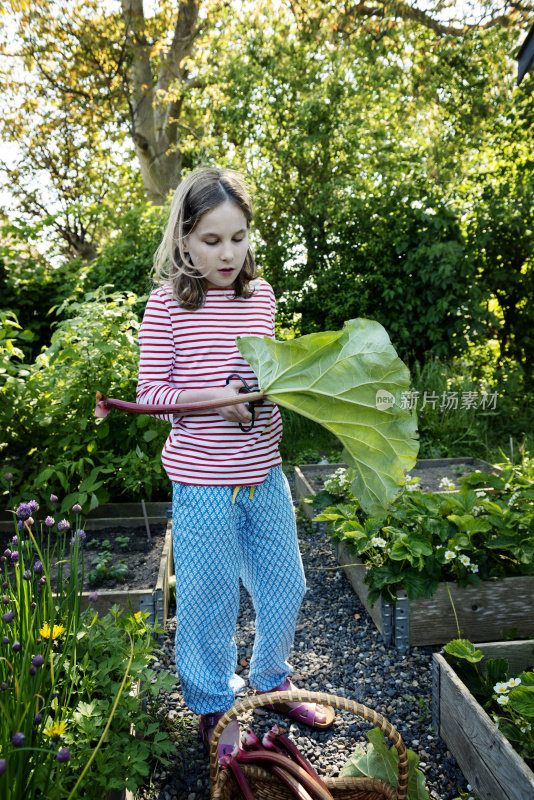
<point x="50" y="434"/>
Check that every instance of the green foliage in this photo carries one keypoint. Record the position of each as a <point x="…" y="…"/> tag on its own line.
<point x="102" y="566"/>
<point x="336" y="378"/>
<point x="379" y="761"/>
<point x="124" y="759"/>
<point x="470" y="405"/>
<point x="509" y="700"/>
<point x="467" y="537"/>
<point x="125" y="261"/>
<point x="67" y="677"/>
<point x="49" y="419"/>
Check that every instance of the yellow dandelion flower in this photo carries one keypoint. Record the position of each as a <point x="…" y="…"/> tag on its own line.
<point x="51" y="633"/>
<point x="55" y="729"/>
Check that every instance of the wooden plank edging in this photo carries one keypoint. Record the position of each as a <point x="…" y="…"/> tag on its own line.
<point x="486" y="758"/>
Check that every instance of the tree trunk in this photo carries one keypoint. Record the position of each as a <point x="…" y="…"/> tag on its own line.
<point x="154" y="118"/>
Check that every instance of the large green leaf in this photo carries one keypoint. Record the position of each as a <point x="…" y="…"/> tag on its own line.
<point x="337" y="379"/>
<point x="379" y="761"/>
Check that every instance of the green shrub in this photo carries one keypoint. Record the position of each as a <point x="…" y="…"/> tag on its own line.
<point x="49" y="430"/>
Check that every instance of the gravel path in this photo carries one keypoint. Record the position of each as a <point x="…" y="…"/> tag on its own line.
<point x="337" y="649"/>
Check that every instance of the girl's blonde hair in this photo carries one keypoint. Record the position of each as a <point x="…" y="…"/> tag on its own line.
<point x="201" y="191"/>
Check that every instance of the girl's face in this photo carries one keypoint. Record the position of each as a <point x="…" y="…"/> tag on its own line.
<point x="218" y="245"/>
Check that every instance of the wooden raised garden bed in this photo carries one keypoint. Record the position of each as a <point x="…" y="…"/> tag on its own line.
<point x="309" y="478"/>
<point x="155" y="600"/>
<point x="153" y="596"/>
<point x="486" y="612"/>
<point x="487" y="759"/>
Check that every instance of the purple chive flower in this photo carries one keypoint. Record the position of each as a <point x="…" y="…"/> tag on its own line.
<point x="38" y="660"/>
<point x="49" y="521"/>
<point x="5" y="585"/>
<point x="15" y="540"/>
<point x="3" y="686"/>
<point x="5" y="640"/>
<point x="20" y="524"/>
<point x="9" y="616"/>
<point x="27" y="574"/>
<point x="24" y="511"/>
<point x="32" y="670"/>
<point x="37" y="719"/>
<point x="92" y="597"/>
<point x="3" y="766"/>
<point x="15" y="556"/>
<point x="6" y="599"/>
<point x="8" y="476"/>
<point x="53" y="498"/>
<point x="54" y="695"/>
<point x="63" y="525"/>
<point x="38" y="567"/>
<point x="79" y="536"/>
<point x="16" y="647"/>
<point x="33" y="605"/>
<point x="7" y="552"/>
<point x="17" y="739"/>
<point x="64" y="755"/>
<point x="77" y="509"/>
<point x="42" y="580"/>
<point x="34" y="505"/>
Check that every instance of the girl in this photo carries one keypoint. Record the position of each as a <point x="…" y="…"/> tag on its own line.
<point x="232" y="511"/>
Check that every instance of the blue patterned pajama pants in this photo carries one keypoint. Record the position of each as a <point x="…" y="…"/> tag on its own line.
<point x="216" y="542"/>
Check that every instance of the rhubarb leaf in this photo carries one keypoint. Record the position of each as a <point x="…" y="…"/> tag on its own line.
<point x="379" y="761"/>
<point x="350" y="381"/>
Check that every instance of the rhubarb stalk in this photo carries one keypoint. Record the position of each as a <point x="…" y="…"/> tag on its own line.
<point x="271" y="760"/>
<point x="292" y="750"/>
<point x="105" y="404"/>
<point x="251" y="742"/>
<point x="230" y="762"/>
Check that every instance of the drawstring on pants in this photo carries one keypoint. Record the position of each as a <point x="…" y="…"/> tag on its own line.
<point x="237" y="488"/>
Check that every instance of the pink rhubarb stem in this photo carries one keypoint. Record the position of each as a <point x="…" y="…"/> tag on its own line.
<point x="231" y="763"/>
<point x="105" y="404"/>
<point x="251" y="742"/>
<point x="292" y="750"/>
<point x="271" y="760"/>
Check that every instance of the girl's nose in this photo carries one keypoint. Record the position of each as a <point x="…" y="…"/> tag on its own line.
<point x="227" y="253"/>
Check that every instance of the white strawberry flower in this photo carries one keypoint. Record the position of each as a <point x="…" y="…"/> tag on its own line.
<point x="503" y="699"/>
<point x="449" y="555"/>
<point x="514" y="682"/>
<point x="500" y="688"/>
<point x="465" y="560"/>
<point x="377" y="541"/>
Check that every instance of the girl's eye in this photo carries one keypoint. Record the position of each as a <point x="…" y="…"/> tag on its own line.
<point x="240" y="239"/>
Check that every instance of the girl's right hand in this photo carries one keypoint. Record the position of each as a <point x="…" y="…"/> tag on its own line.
<point x="237" y="413"/>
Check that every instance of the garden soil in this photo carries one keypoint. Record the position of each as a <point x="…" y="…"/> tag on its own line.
<point x="141" y="557"/>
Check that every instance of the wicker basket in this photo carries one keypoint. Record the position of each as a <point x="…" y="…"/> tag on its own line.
<point x="266" y="786"/>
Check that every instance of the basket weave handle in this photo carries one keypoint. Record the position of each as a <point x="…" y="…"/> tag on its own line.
<point x="302" y="696"/>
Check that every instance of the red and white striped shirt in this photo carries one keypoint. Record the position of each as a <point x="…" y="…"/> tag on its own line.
<point x="183" y="349"/>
